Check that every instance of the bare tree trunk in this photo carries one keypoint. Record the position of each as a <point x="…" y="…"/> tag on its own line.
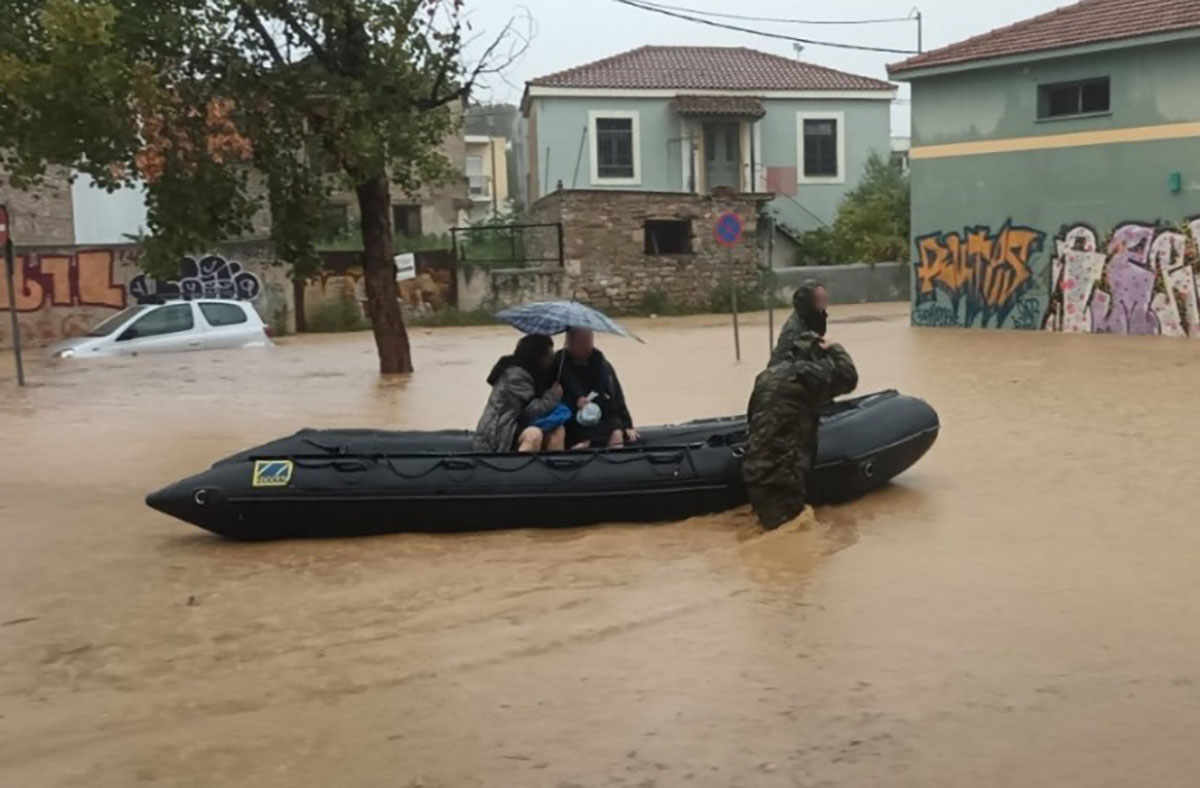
<point x="383" y="306"/>
<point x="301" y="317"/>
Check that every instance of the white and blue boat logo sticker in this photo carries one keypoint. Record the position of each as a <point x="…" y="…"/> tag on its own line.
<point x="272" y="473"/>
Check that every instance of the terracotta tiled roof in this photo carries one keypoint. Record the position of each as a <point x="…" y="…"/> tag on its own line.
<point x="739" y="106"/>
<point x="705" y="68"/>
<point x="1086" y="22"/>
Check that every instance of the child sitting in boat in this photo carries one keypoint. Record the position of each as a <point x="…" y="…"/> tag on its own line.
<point x="523" y="391"/>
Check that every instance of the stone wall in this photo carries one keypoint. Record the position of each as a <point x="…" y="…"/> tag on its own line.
<point x="604" y="239"/>
<point x="44" y="215"/>
<point x="63" y="291"/>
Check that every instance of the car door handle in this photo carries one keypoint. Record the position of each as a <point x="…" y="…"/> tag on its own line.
<point x="193" y="344"/>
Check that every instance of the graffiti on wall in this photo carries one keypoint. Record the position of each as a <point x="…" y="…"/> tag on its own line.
<point x="1142" y="279"/>
<point x="211" y="276"/>
<point x="78" y="279"/>
<point x="977" y="277"/>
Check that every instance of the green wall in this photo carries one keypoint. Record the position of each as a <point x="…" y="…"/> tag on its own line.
<point x="987" y="227"/>
<point x="561" y="125"/>
<point x="867" y="128"/>
<point x="560" y="132"/>
<point x="1149" y="85"/>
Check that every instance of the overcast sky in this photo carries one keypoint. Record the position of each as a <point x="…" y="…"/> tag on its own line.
<point x="571" y="32"/>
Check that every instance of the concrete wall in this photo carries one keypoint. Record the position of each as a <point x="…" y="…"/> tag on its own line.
<point x="44" y="215"/>
<point x="854" y="283"/>
<point x="495" y="288"/>
<point x="558" y="127"/>
<point x="1082" y="237"/>
<point x="63" y="291"/>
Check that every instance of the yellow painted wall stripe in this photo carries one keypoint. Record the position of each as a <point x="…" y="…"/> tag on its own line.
<point x="1167" y="131"/>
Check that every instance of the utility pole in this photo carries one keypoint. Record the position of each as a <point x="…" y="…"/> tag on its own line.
<point x="9" y="271"/>
<point x="915" y="13"/>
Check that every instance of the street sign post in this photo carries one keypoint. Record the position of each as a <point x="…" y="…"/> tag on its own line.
<point x="9" y="274"/>
<point x="770" y="281"/>
<point x="728" y="233"/>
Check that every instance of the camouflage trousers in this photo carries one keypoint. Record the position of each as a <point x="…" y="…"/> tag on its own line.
<point x="776" y="504"/>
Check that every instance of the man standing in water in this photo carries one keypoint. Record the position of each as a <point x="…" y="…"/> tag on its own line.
<point x="809" y="303"/>
<point x="782" y="421"/>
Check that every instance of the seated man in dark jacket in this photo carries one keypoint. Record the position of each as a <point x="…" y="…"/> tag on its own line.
<point x="782" y="422"/>
<point x="587" y="376"/>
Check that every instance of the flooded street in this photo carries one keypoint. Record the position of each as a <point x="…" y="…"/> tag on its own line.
<point x="1017" y="609"/>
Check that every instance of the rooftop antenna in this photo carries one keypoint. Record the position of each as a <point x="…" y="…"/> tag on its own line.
<point x="798" y="48"/>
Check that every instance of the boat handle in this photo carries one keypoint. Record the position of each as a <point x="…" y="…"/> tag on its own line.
<point x="562" y="463"/>
<point x="458" y="465"/>
<point x="665" y="459"/>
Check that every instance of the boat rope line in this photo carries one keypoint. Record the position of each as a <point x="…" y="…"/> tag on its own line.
<point x="656" y="457"/>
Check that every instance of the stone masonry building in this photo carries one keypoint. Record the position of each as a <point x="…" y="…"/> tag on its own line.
<point x="624" y="249"/>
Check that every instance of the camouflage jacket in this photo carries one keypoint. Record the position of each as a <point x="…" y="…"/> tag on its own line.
<point x="784" y="409"/>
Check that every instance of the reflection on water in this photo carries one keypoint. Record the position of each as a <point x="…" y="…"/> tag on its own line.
<point x="1016" y="610"/>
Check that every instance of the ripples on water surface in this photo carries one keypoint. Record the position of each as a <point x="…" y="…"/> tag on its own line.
<point x="1018" y="610"/>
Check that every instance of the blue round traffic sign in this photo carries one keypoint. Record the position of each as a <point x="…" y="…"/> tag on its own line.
<point x="728" y="229"/>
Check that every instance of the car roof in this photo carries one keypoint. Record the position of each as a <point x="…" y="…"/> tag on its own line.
<point x="177" y="301"/>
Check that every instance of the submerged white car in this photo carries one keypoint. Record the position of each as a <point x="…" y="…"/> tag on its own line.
<point x="170" y="326"/>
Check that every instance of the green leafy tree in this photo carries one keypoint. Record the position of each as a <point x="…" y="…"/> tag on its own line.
<point x="211" y="102"/>
<point x="873" y="219"/>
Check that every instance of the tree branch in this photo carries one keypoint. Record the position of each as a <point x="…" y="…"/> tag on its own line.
<point x="306" y="38"/>
<point x="263" y="33"/>
<point x="485" y="66"/>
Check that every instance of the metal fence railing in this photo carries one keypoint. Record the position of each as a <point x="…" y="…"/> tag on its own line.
<point x="535" y="245"/>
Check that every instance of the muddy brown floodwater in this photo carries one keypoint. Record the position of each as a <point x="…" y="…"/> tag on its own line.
<point x="1019" y="609"/>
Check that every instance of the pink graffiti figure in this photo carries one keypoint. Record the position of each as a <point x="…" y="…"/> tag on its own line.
<point x="1131" y="282"/>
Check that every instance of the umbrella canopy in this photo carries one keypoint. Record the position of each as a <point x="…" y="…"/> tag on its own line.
<point x="555" y="317"/>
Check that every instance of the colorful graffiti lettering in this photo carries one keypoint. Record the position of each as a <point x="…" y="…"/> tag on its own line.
<point x="984" y="274"/>
<point x="934" y="315"/>
<point x="212" y="276"/>
<point x="78" y="279"/>
<point x="1144" y="280"/>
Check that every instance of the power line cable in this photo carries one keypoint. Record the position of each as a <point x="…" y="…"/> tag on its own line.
<point x="763" y="33"/>
<point x="777" y="19"/>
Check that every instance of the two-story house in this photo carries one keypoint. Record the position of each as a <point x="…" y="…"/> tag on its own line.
<point x="1055" y="177"/>
<point x="691" y="119"/>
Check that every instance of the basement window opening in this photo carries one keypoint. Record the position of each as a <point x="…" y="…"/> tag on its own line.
<point x="668" y="236"/>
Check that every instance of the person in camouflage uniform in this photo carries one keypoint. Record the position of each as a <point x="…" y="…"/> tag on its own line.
<point x="809" y="302"/>
<point x="782" y="421"/>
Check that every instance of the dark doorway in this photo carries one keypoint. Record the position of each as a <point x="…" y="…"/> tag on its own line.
<point x="722" y="155"/>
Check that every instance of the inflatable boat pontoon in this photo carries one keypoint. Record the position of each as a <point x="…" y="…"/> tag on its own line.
<point x="332" y="483"/>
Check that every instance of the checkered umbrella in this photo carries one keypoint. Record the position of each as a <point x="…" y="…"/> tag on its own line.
<point x="555" y="317"/>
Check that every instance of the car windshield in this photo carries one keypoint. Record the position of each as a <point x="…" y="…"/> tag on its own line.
<point x="115" y="322"/>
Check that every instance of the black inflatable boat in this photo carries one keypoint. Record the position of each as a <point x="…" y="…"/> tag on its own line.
<point x="325" y="483"/>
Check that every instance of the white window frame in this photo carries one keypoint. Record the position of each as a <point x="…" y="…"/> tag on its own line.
<point x="840" y="118"/>
<point x="632" y="115"/>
